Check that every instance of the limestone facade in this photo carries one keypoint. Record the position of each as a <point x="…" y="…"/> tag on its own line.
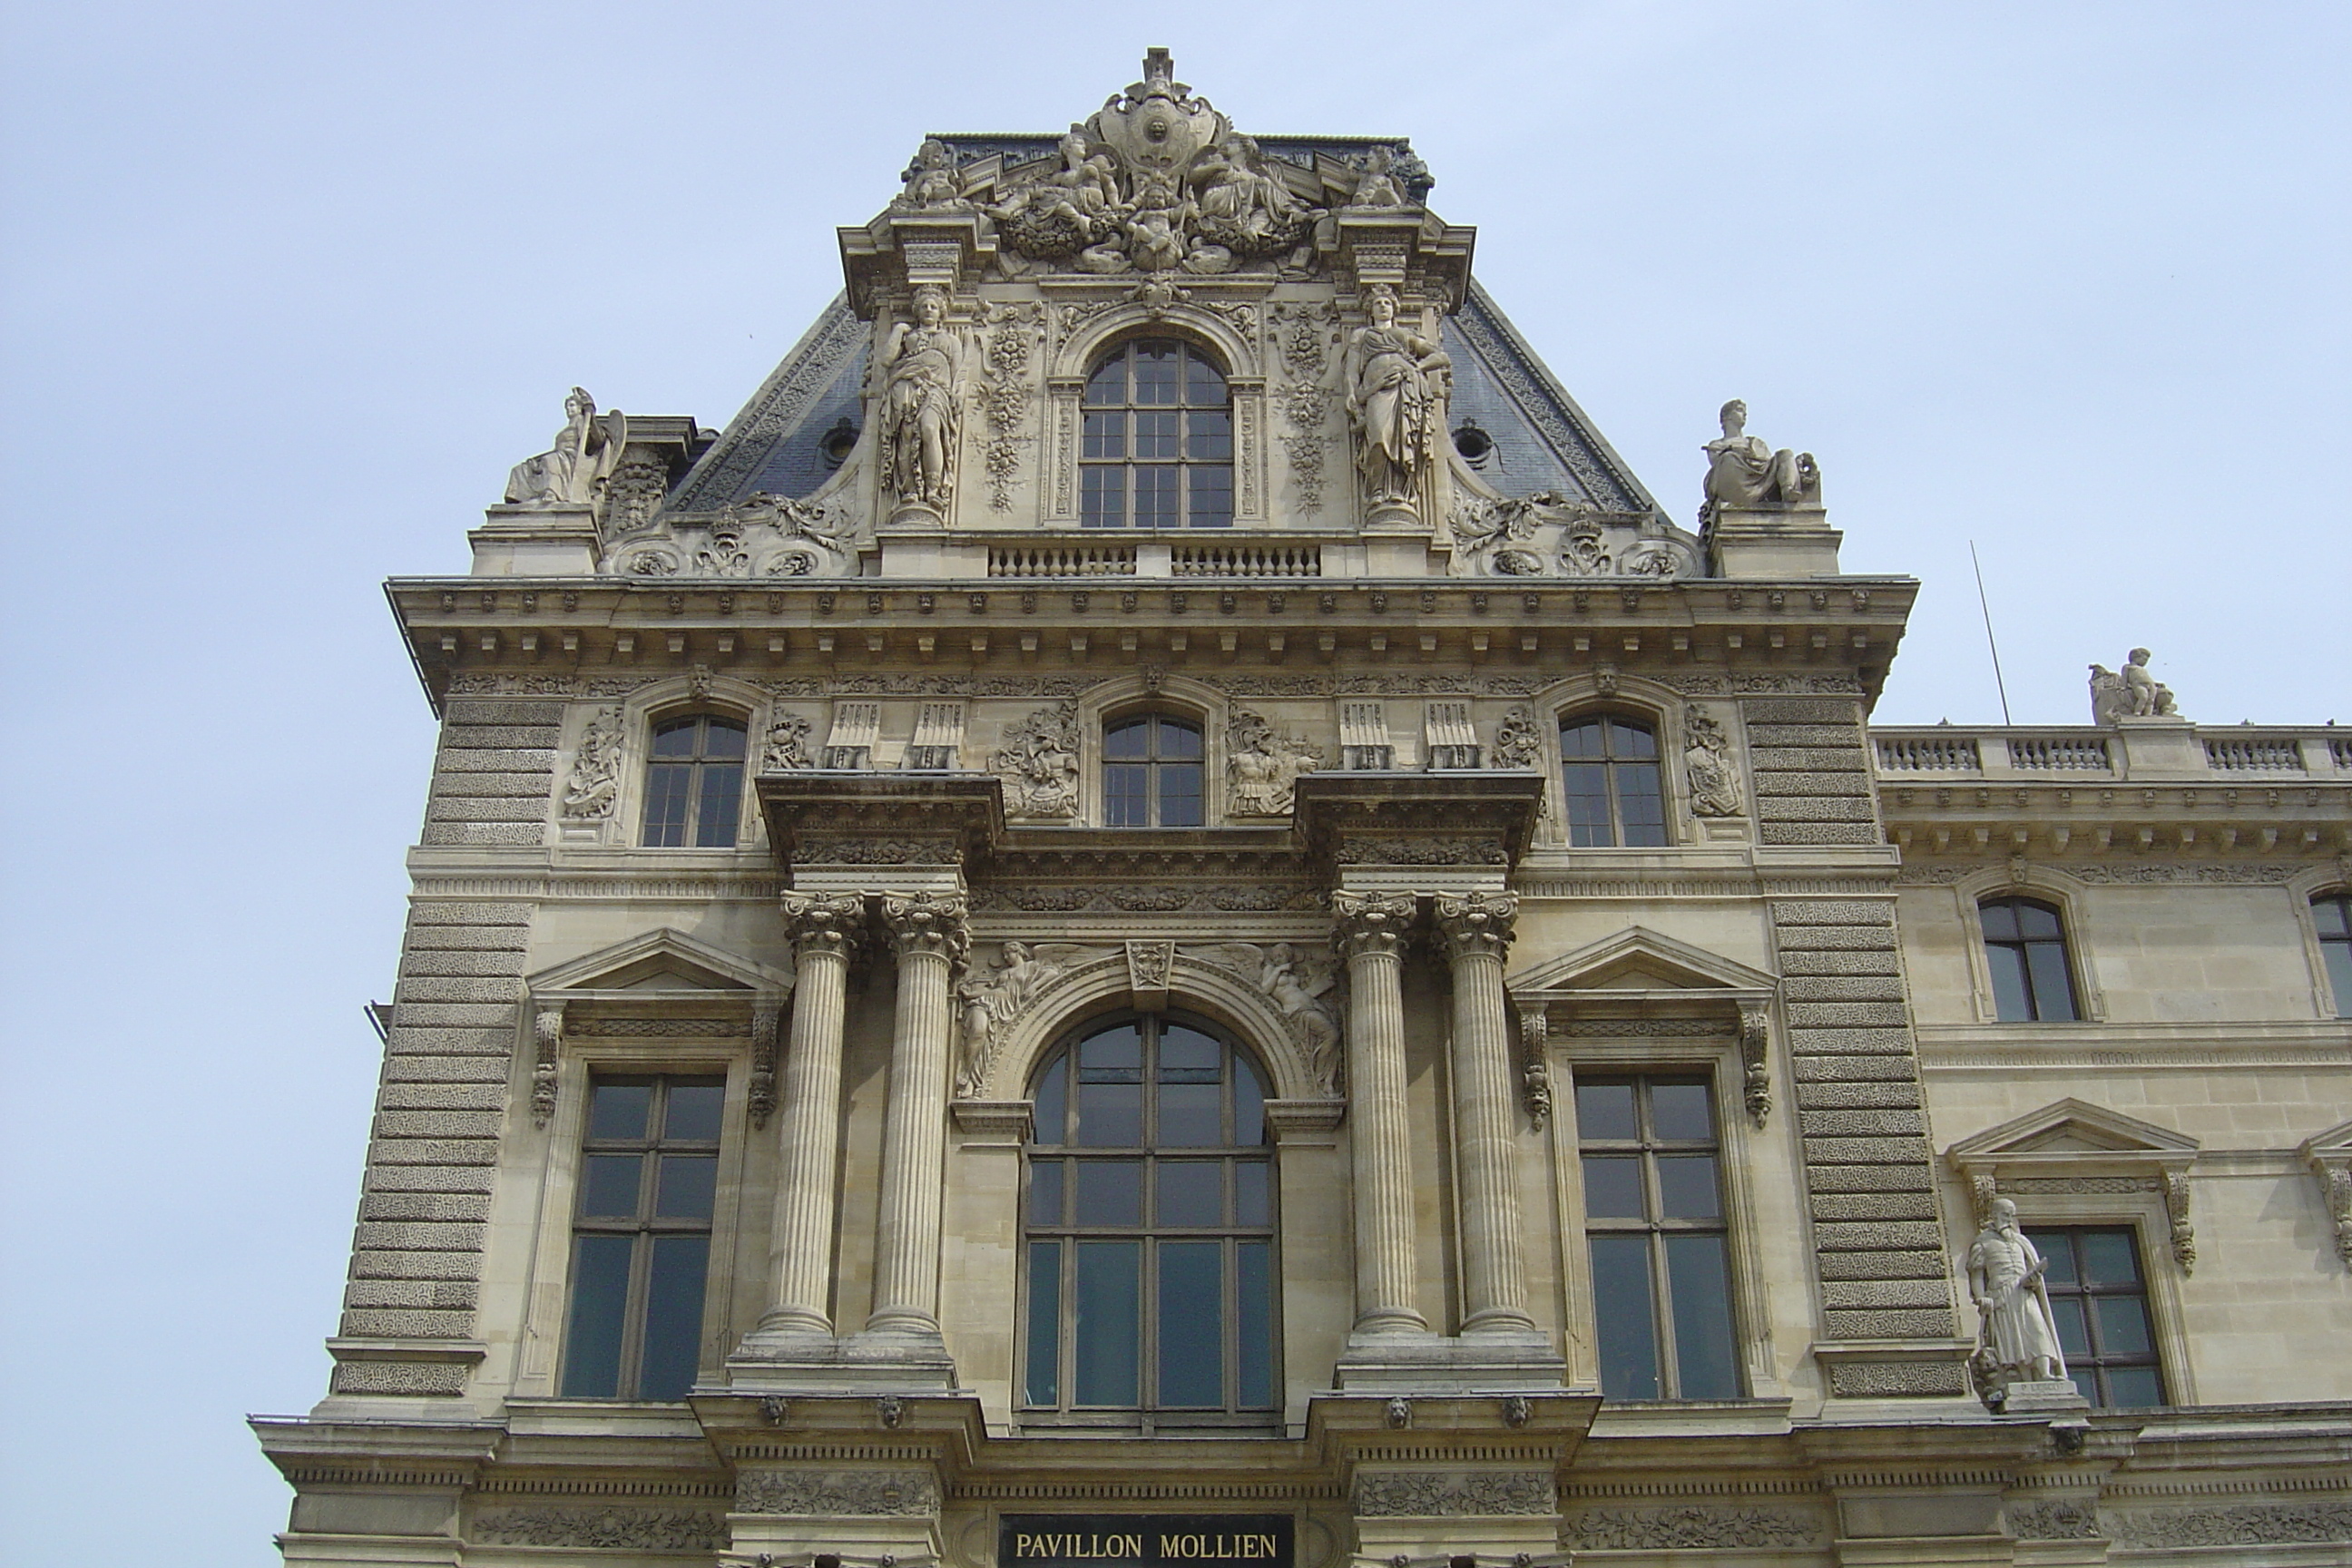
<point x="1398" y="575"/>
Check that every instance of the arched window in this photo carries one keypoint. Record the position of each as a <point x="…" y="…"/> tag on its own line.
<point x="1609" y="782"/>
<point x="1151" y="772"/>
<point x="2025" y="948"/>
<point x="1150" y="1233"/>
<point x="2331" y="913"/>
<point x="1159" y="445"/>
<point x="694" y="783"/>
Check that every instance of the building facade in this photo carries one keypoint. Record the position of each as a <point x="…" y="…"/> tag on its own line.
<point x="1156" y="912"/>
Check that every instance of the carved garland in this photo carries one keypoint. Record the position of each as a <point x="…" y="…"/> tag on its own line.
<point x="1446" y="1494"/>
<point x="547" y="1032"/>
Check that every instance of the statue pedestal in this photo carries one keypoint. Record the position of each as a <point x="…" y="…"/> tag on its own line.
<point x="2053" y="1396"/>
<point x="1773" y="541"/>
<point x="2164" y="747"/>
<point x="536" y="541"/>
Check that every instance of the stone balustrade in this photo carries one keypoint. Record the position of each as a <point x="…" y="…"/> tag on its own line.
<point x="2147" y="750"/>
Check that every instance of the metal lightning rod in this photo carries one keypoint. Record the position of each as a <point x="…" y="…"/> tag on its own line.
<point x="1986" y="606"/>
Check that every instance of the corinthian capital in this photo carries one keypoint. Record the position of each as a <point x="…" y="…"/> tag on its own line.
<point x="1370" y="923"/>
<point x="1475" y="924"/>
<point x="824" y="922"/>
<point x="927" y="923"/>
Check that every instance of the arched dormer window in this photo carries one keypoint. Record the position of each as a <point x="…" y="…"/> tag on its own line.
<point x="1151" y="772"/>
<point x="1610" y="781"/>
<point x="2025" y="949"/>
<point x="1149" y="1228"/>
<point x="694" y="781"/>
<point x="1158" y="444"/>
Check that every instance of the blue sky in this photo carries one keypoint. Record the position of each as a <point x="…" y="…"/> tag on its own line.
<point x="286" y="289"/>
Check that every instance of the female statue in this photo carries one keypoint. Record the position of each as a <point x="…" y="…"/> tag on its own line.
<point x="567" y="474"/>
<point x="1397" y="383"/>
<point x="923" y="363"/>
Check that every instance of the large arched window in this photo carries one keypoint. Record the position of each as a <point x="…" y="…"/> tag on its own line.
<point x="2025" y="948"/>
<point x="1158" y="444"/>
<point x="694" y="783"/>
<point x="1609" y="782"/>
<point x="1151" y="772"/>
<point x="1149" y="1228"/>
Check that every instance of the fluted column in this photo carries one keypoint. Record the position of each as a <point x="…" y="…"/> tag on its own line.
<point x="1475" y="931"/>
<point x="825" y="930"/>
<point x="929" y="932"/>
<point x="1370" y="930"/>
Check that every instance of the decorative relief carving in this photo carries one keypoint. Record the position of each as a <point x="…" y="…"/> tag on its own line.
<point x="927" y="923"/>
<point x="1039" y="763"/>
<point x="1754" y="1055"/>
<point x="2176" y="1209"/>
<point x="652" y="1029"/>
<point x="546" y="1036"/>
<point x="1307" y="335"/>
<point x="1370" y="922"/>
<point x="1424" y="851"/>
<point x="1689" y="1528"/>
<point x="824" y="922"/>
<point x="786" y="748"/>
<point x="1535" y="1067"/>
<point x="891" y="1494"/>
<point x="1454" y="1494"/>
<point x="1519" y="742"/>
<point x="1145" y="898"/>
<point x="596" y="782"/>
<point x="2053" y="1521"/>
<point x="1938" y="875"/>
<point x="2335" y="1184"/>
<point x="1299" y="984"/>
<point x="618" y="1528"/>
<point x="852" y="849"/>
<point x="1475" y="924"/>
<point x="1549" y="535"/>
<point x="992" y="996"/>
<point x="1707" y="765"/>
<point x="2250" y="1524"/>
<point x="1149" y="964"/>
<point x="765" y="1019"/>
<point x="1004" y="392"/>
<point x="1261" y="767"/>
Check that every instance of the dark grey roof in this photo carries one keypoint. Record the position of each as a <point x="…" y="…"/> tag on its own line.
<point x="772" y="445"/>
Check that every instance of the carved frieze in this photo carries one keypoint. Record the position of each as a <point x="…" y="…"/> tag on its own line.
<point x="1299" y="982"/>
<point x="1455" y="1494"/>
<point x="613" y="1529"/>
<point x="1689" y="1528"/>
<point x="2248" y="1525"/>
<point x="859" y="1493"/>
<point x="995" y="993"/>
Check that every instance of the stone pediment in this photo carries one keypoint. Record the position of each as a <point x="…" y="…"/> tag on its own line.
<point x="658" y="964"/>
<point x="2075" y="1160"/>
<point x="2073" y="1131"/>
<point x="1638" y="960"/>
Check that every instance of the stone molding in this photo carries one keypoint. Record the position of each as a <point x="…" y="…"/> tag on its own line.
<point x="869" y="1494"/>
<point x="1454" y="1494"/>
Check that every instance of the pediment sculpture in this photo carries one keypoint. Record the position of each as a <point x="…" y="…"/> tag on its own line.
<point x="762" y="536"/>
<point x="1549" y="535"/>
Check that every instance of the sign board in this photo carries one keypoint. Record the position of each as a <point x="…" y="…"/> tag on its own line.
<point x="1146" y="1540"/>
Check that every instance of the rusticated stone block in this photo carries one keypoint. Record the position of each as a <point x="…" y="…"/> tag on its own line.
<point x="1840" y="759"/>
<point x="452" y="961"/>
<point x="403" y="1377"/>
<point x="463" y="913"/>
<point x="1842" y="737"/>
<point x="497" y="737"/>
<point x="1799" y="988"/>
<point x="406" y="1068"/>
<point x="497" y="760"/>
<point x="528" y="787"/>
<point x="1856" y="1096"/>
<point x="1850" y="1042"/>
<point x="1894" y="1236"/>
<point x="1816" y="808"/>
<point x="1833" y="912"/>
<point x="453" y="834"/>
<point x="1888" y="1324"/>
<point x="424" y="1205"/>
<point x="440" y="988"/>
<point x="467" y="939"/>
<point x="1817" y="833"/>
<point x="451" y="1015"/>
<point x="1801" y="710"/>
<point x="431" y="1178"/>
<point x="1896" y="1379"/>
<point x="375" y="1324"/>
<point x="444" y="1096"/>
<point x="1837" y="1015"/>
<point x="1839" y="786"/>
<point x="1877" y="962"/>
<point x="1836" y="939"/>
<point x="411" y="1041"/>
<point x="1860" y="1123"/>
<point x="1864" y="1151"/>
<point x="471" y="711"/>
<point x="486" y="808"/>
<point x="444" y="1294"/>
<point x="1870" y="1179"/>
<point x="419" y="1236"/>
<point x="437" y="1124"/>
<point x="1884" y="1265"/>
<point x="433" y="1152"/>
<point x="1868" y="1207"/>
<point x="1855" y="1069"/>
<point x="1838" y="1294"/>
<point x="369" y="1264"/>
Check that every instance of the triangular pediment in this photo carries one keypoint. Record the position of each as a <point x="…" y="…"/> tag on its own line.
<point x="661" y="960"/>
<point x="1638" y="959"/>
<point x="2073" y="1128"/>
<point x="2334" y="1143"/>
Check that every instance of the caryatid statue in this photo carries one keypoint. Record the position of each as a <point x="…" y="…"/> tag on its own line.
<point x="2014" y="1333"/>
<point x="922" y="367"/>
<point x="1742" y="471"/>
<point x="1397" y="383"/>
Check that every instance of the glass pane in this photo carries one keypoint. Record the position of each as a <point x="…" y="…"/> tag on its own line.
<point x="1191" y="1191"/>
<point x="2123" y="1325"/>
<point x="722" y="804"/>
<point x="1048" y="1121"/>
<point x="2057" y="1250"/>
<point x="1127" y="801"/>
<point x="2012" y="1004"/>
<point x="2086" y="1383"/>
<point x="2331" y="916"/>
<point x="1604" y="1111"/>
<point x="1108" y="382"/>
<point x="1698" y="1283"/>
<point x="1192" y="1324"/>
<point x="1105" y="1331"/>
<point x="618" y="1110"/>
<point x="1110" y="1088"/>
<point x="1211" y="502"/>
<point x="1156" y="369"/>
<point x="1249" y="1105"/>
<point x="723" y="740"/>
<point x="609" y="1188"/>
<point x="1041" y="1363"/>
<point x="1581" y="740"/>
<point x="1631" y="740"/>
<point x="2132" y="1387"/>
<point x="1254" y="1351"/>
<point x="675" y="738"/>
<point x="2107" y="1258"/>
<point x="1046" y="1191"/>
<point x="600" y="1299"/>
<point x="1178" y="742"/>
<point x="1641" y="805"/>
<point x="1998" y="919"/>
<point x="1202" y="382"/>
<point x="1586" y="797"/>
<point x="1156" y="435"/>
<point x="2037" y="920"/>
<point x="1156" y="491"/>
<point x="1104" y="498"/>
<point x="1252" y="1203"/>
<point x="1191" y="1115"/>
<point x="2067" y="1313"/>
<point x="1188" y="1055"/>
<point x="1613" y="1187"/>
<point x="693" y="1116"/>
<point x="1106" y="436"/>
<point x="1179" y="795"/>
<point x="689" y="1186"/>
<point x="1686" y="1188"/>
<point x="667" y="786"/>
<point x="1681" y="1112"/>
<point x="2053" y="990"/>
<point x="2340" y="976"/>
<point x="1127" y="740"/>
<point x="1209" y="435"/>
<point x="1109" y="1192"/>
<point x="1621" y="1305"/>
<point x="674" y="1316"/>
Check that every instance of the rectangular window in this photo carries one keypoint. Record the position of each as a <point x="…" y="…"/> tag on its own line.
<point x="1661" y="1254"/>
<point x="2098" y="1304"/>
<point x="641" y="1237"/>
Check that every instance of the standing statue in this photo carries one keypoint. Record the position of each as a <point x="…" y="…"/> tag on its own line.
<point x="2015" y="1342"/>
<point x="2134" y="694"/>
<point x="1397" y="383"/>
<point x="922" y="366"/>
<point x="1741" y="470"/>
<point x="572" y="472"/>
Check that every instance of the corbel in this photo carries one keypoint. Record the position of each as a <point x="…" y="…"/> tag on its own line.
<point x="1755" y="1056"/>
<point x="2176" y="1209"/>
<point x="547" y="1032"/>
<point x="1149" y="964"/>
<point x="2335" y="1188"/>
<point x="1535" y="1067"/>
<point x="765" y="1017"/>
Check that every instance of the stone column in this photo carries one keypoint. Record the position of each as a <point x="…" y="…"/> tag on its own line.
<point x="1476" y="929"/>
<point x="826" y="928"/>
<point x="1369" y="929"/>
<point x="929" y="932"/>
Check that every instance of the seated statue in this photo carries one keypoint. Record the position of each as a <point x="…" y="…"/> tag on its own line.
<point x="2134" y="694"/>
<point x="1742" y="471"/>
<point x="584" y="455"/>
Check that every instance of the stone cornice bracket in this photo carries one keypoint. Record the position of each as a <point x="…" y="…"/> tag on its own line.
<point x="546" y="1036"/>
<point x="765" y="1017"/>
<point x="824" y="923"/>
<point x="2176" y="1209"/>
<point x="1755" y="1056"/>
<point x="1475" y="924"/>
<point x="2329" y="1155"/>
<point x="1371" y="923"/>
<point x="1149" y="966"/>
<point x="928" y="923"/>
<point x="1535" y="1065"/>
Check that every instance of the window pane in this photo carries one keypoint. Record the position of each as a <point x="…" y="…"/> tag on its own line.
<point x="2057" y="1250"/>
<point x="618" y="1110"/>
<point x="1192" y="1324"/>
<point x="1254" y="1332"/>
<point x="1999" y="919"/>
<point x="1126" y="798"/>
<point x="1156" y="369"/>
<point x="2037" y="920"/>
<point x="674" y="739"/>
<point x="1155" y="496"/>
<point x="2123" y="1326"/>
<point x="1604" y="1111"/>
<point x="1686" y="1188"/>
<point x="1586" y="797"/>
<point x="1103" y="494"/>
<point x="1107" y="1331"/>
<point x="1042" y="1360"/>
<point x="1127" y="740"/>
<point x="2066" y="1313"/>
<point x="1179" y="743"/>
<point x="1046" y="1191"/>
<point x="2339" y="974"/>
<point x="1698" y="1283"/>
<point x="693" y="1116"/>
<point x="1191" y="1115"/>
<point x="1191" y="1191"/>
<point x="1202" y="382"/>
<point x="1179" y="795"/>
<point x="1641" y="805"/>
<point x="1110" y="1090"/>
<point x="2132" y="1387"/>
<point x="1681" y="1112"/>
<point x="1211" y="501"/>
<point x="2053" y="992"/>
<point x="1631" y="740"/>
<point x="722" y="804"/>
<point x="1108" y="383"/>
<point x="1110" y="1192"/>
<point x="667" y="786"/>
<point x="2107" y="1258"/>
<point x="600" y="1299"/>
<point x="2012" y="1004"/>
<point x="674" y="1316"/>
<point x="2331" y="916"/>
<point x="609" y="1188"/>
<point x="1249" y="1105"/>
<point x="1188" y="1055"/>
<point x="1581" y="740"/>
<point x="1106" y="436"/>
<point x="689" y="1186"/>
<point x="2086" y="1383"/>
<point x="723" y="739"/>
<point x="1621" y="1302"/>
<point x="1251" y="1204"/>
<point x="1156" y="435"/>
<point x="1613" y="1187"/>
<point x="1209" y="435"/>
<point x="1048" y="1120"/>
